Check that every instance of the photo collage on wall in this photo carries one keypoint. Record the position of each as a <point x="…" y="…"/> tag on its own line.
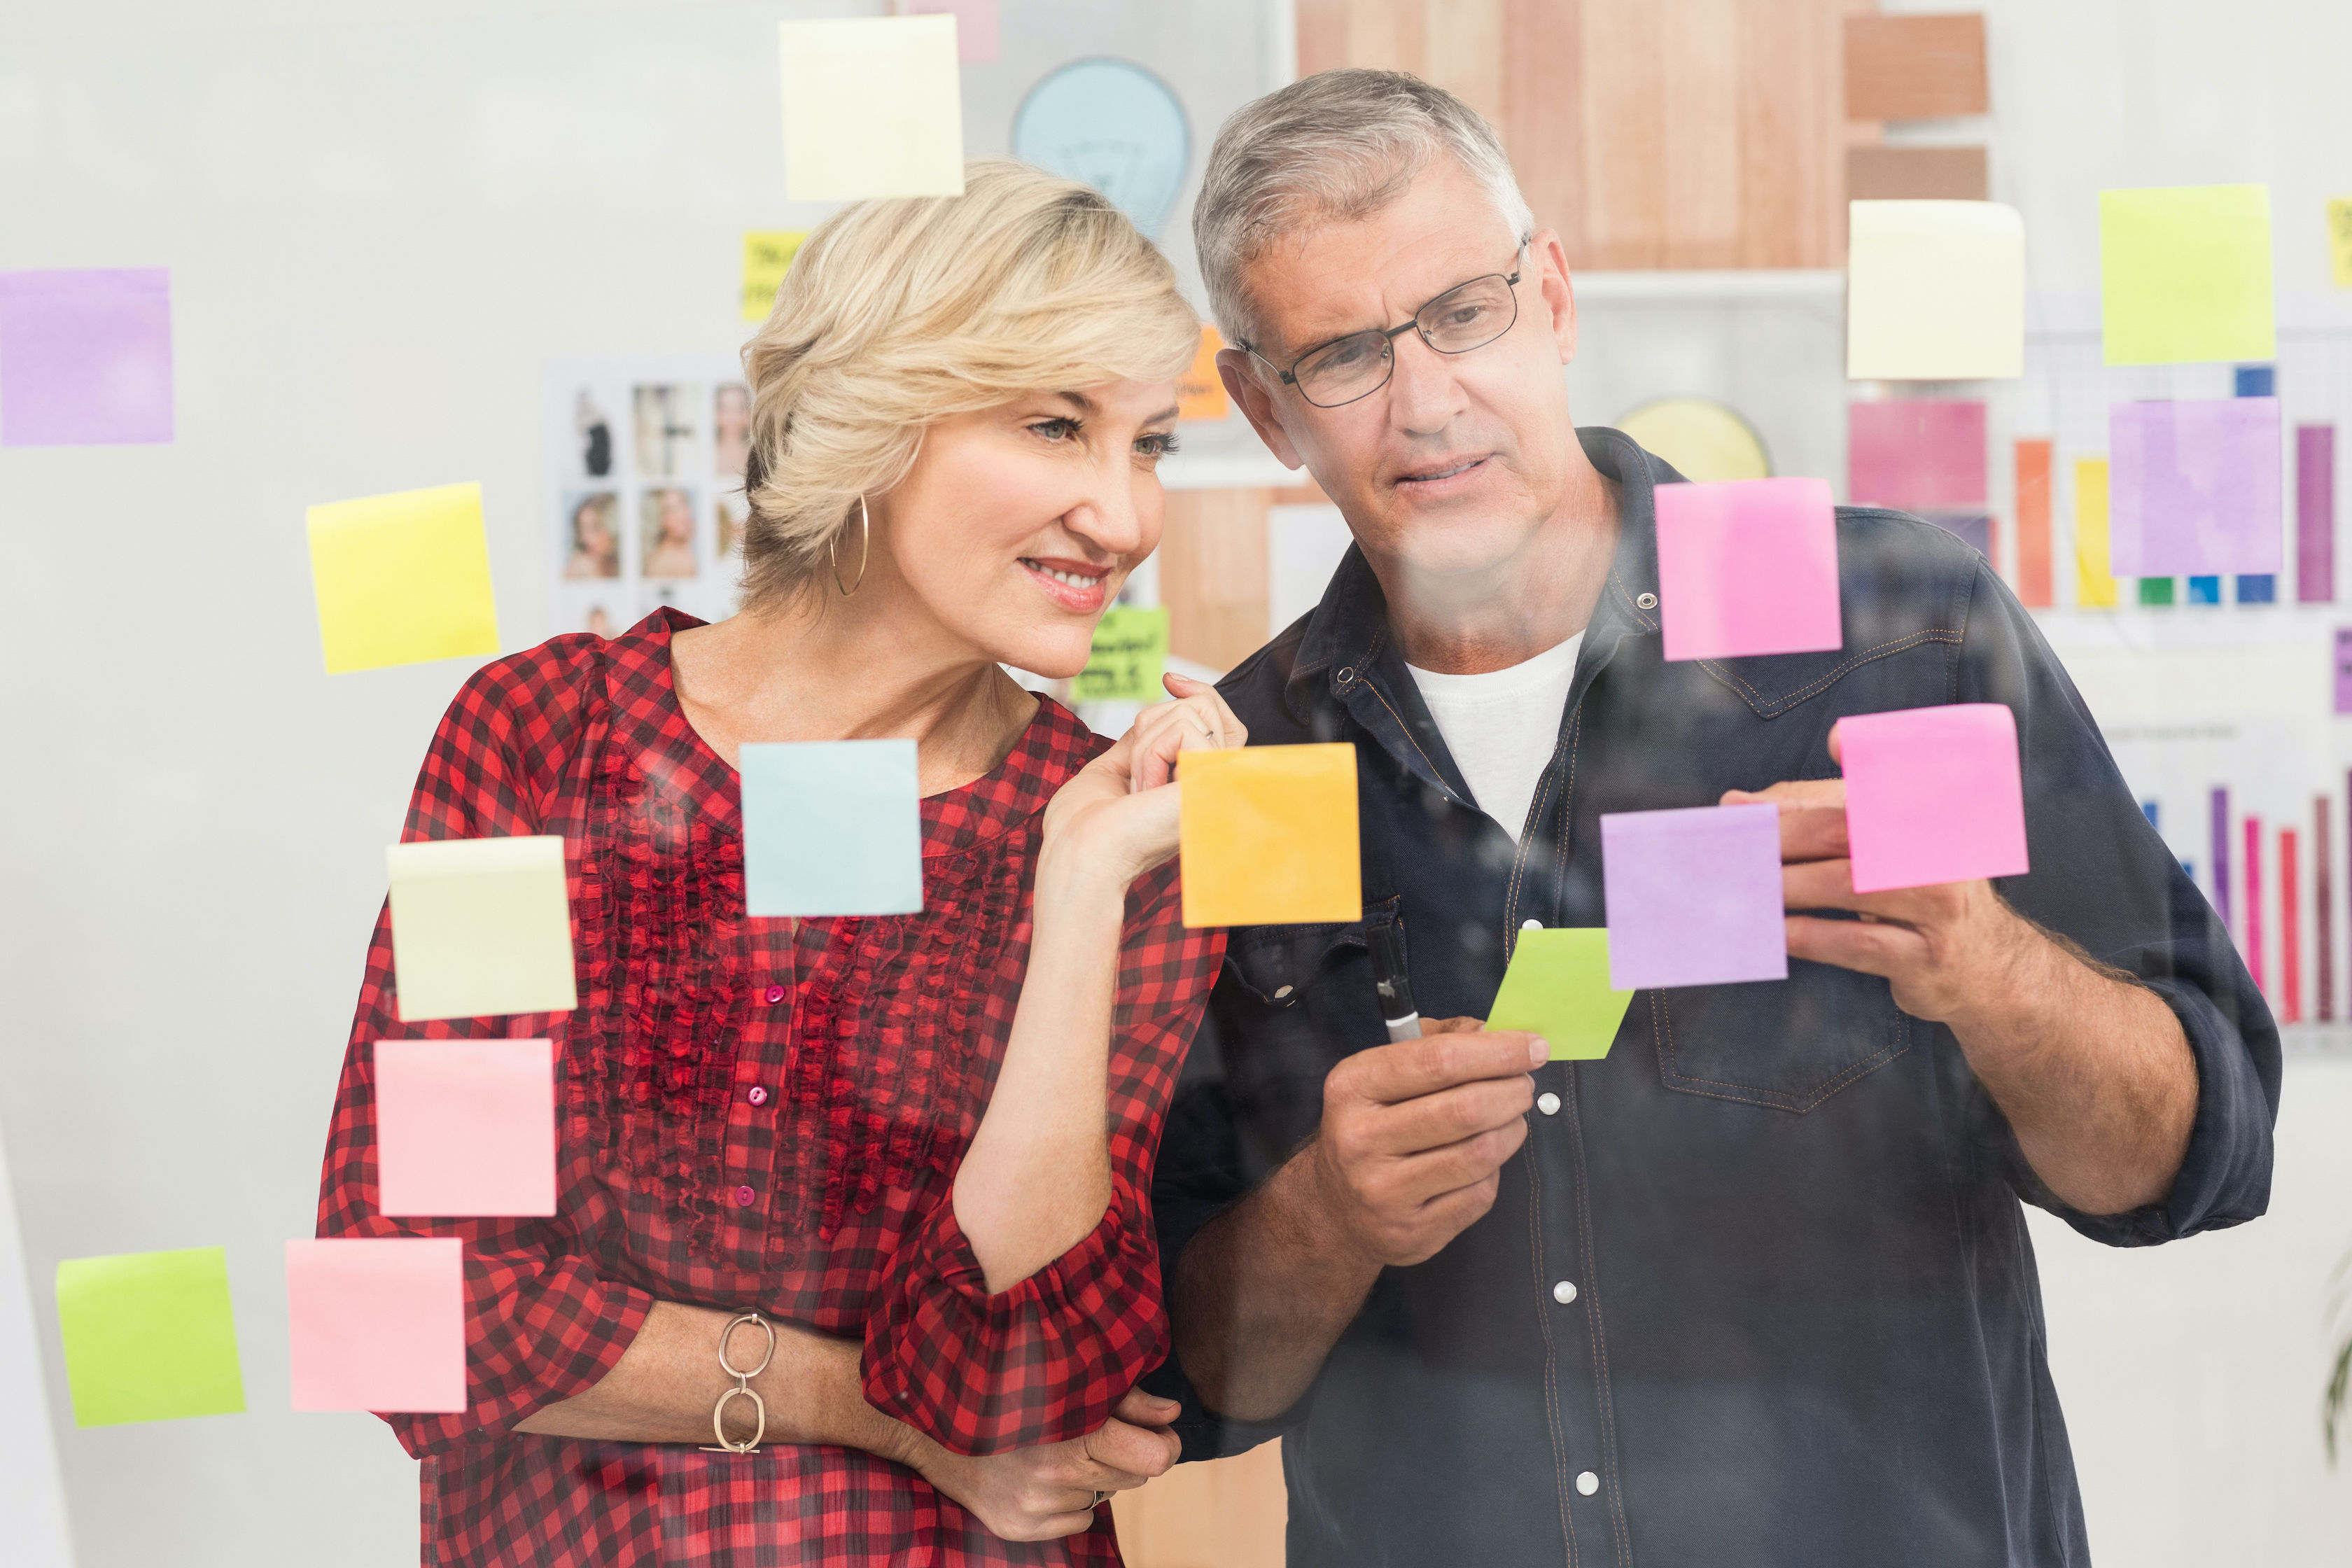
<point x="645" y="492"/>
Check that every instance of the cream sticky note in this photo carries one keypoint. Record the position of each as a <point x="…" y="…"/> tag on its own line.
<point x="1267" y="836"/>
<point x="1557" y="987"/>
<point x="480" y="928"/>
<point x="149" y="1336"/>
<point x="873" y="107"/>
<point x="1200" y="391"/>
<point x="1934" y="292"/>
<point x="402" y="578"/>
<point x="2094" y="582"/>
<point x="2185" y="274"/>
<point x="767" y="255"/>
<point x="464" y="1128"/>
<point x="2340" y="240"/>
<point x="377" y="1322"/>
<point x="1129" y="656"/>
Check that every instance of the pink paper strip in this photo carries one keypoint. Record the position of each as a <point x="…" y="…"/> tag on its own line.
<point x="377" y="1323"/>
<point x="464" y="1127"/>
<point x="1932" y="796"/>
<point x="1747" y="567"/>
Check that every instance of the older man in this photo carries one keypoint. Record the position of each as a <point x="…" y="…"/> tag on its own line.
<point x="1756" y="1289"/>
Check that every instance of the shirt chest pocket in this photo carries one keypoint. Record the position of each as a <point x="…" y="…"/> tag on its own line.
<point x="1788" y="1045"/>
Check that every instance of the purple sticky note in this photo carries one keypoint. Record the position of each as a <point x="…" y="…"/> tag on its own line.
<point x="1747" y="567"/>
<point x="377" y="1322"/>
<point x="464" y="1127"/>
<point x="2194" y="488"/>
<point x="975" y="25"/>
<point x="1920" y="454"/>
<point x="2343" y="671"/>
<point x="1932" y="796"/>
<point x="1694" y="896"/>
<point x="85" y="357"/>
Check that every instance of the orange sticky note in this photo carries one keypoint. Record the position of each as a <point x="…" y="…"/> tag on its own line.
<point x="377" y="1322"/>
<point x="1267" y="836"/>
<point x="1200" y="391"/>
<point x="464" y="1127"/>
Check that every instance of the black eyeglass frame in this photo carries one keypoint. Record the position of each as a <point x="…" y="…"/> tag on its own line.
<point x="1391" y="335"/>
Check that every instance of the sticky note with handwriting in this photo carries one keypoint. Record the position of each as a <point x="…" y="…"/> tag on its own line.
<point x="1934" y="292"/>
<point x="1932" y="796"/>
<point x="402" y="578"/>
<point x="831" y="828"/>
<point x="464" y="1127"/>
<point x="149" y="1336"/>
<point x="1129" y="656"/>
<point x="1267" y="836"/>
<point x="1694" y="896"/>
<point x="86" y="357"/>
<point x="767" y="255"/>
<point x="1747" y="567"/>
<point x="873" y="107"/>
<point x="2185" y="274"/>
<point x="480" y="928"/>
<point x="1557" y="987"/>
<point x="2195" y="488"/>
<point x="377" y="1322"/>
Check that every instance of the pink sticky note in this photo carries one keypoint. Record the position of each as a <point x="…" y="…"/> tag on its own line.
<point x="1932" y="794"/>
<point x="85" y="357"/>
<point x="1919" y="454"/>
<point x="1747" y="567"/>
<point x="377" y="1323"/>
<point x="464" y="1127"/>
<point x="975" y="25"/>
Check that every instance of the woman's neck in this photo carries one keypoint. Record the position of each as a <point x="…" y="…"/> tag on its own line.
<point x="827" y="668"/>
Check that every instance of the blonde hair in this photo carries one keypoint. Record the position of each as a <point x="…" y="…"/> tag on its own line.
<point x="897" y="314"/>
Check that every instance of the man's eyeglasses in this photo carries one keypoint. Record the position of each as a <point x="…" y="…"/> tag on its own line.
<point x="1467" y="316"/>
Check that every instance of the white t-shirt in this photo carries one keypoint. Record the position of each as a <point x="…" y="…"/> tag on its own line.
<point x="1503" y="726"/>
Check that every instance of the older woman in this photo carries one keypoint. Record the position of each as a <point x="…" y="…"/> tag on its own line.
<point x="917" y="1146"/>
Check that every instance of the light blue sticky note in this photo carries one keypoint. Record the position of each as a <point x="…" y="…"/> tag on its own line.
<point x="832" y="827"/>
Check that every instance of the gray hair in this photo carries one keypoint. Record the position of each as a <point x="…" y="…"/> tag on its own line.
<point x="1339" y="144"/>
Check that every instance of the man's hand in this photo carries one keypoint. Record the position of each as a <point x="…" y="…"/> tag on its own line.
<point x="1414" y="1136"/>
<point x="1048" y="1492"/>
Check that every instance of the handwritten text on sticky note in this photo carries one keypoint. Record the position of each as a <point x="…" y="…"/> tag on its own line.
<point x="1557" y="987"/>
<point x="1747" y="567"/>
<point x="1932" y="796"/>
<point x="832" y="827"/>
<point x="377" y="1322"/>
<point x="402" y="578"/>
<point x="464" y="1127"/>
<point x="1129" y="656"/>
<point x="767" y="256"/>
<point x="1267" y="836"/>
<point x="1934" y="292"/>
<point x="1694" y="896"/>
<point x="480" y="927"/>
<point x="872" y="108"/>
<point x="149" y="1336"/>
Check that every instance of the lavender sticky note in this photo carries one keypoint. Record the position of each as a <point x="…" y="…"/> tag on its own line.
<point x="1694" y="896"/>
<point x="2343" y="671"/>
<point x="2194" y="488"/>
<point x="464" y="1127"/>
<point x="85" y="357"/>
<point x="377" y="1322"/>
<point x="1920" y="454"/>
<point x="1747" y="567"/>
<point x="1932" y="796"/>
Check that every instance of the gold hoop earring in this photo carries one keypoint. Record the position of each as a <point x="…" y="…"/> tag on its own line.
<point x="865" y="549"/>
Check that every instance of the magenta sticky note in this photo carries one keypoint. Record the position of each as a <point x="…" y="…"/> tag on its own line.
<point x="1694" y="896"/>
<point x="464" y="1127"/>
<point x="1932" y="794"/>
<point x="1747" y="567"/>
<point x="975" y="25"/>
<point x="377" y="1322"/>
<point x="2195" y="488"/>
<point x="85" y="357"/>
<point x="1916" y="454"/>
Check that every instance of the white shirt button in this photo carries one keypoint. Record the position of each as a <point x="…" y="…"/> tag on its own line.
<point x="1280" y="992"/>
<point x="1587" y="1482"/>
<point x="1531" y="925"/>
<point x="1547" y="1102"/>
<point x="1564" y="1292"/>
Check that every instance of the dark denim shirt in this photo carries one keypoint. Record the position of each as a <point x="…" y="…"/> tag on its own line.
<point x="1806" y="1328"/>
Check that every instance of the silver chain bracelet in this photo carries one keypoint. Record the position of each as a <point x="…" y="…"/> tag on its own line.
<point x="742" y="1389"/>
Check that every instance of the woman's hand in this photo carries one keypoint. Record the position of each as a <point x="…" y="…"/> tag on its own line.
<point x="1115" y="812"/>
<point x="1044" y="1493"/>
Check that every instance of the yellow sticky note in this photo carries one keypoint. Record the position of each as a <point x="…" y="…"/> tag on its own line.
<point x="1267" y="836"/>
<point x="2340" y="240"/>
<point x="480" y="927"/>
<point x="149" y="1336"/>
<point x="2095" y="584"/>
<point x="1201" y="393"/>
<point x="1934" y="292"/>
<point x="767" y="256"/>
<point x="402" y="578"/>
<point x="1129" y="656"/>
<point x="872" y="108"/>
<point x="2185" y="274"/>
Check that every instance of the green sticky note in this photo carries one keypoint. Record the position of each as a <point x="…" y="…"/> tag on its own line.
<point x="1131" y="651"/>
<point x="1557" y="987"/>
<point x="149" y="1336"/>
<point x="2185" y="274"/>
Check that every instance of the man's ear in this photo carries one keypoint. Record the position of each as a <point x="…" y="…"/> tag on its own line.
<point x="1548" y="259"/>
<point x="1242" y="385"/>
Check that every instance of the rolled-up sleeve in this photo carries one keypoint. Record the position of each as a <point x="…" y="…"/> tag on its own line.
<point x="1049" y="1358"/>
<point x="2102" y="876"/>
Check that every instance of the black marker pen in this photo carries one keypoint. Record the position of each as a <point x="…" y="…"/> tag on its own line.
<point x="1385" y="942"/>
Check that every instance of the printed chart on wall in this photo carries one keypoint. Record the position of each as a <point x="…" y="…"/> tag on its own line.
<point x="644" y="493"/>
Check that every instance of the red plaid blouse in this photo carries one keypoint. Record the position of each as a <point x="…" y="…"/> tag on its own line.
<point x="756" y="1119"/>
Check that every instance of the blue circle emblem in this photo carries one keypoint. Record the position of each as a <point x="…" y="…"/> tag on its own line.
<point x="1113" y="125"/>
